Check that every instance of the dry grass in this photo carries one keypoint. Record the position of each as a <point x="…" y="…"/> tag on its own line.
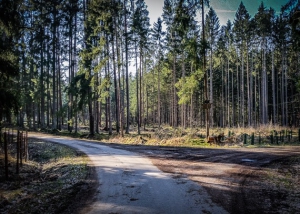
<point x="195" y="137"/>
<point x="47" y="183"/>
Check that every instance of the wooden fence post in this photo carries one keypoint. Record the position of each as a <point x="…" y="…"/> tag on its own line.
<point x="18" y="152"/>
<point x="21" y="148"/>
<point x="5" y="155"/>
<point x="26" y="146"/>
<point x="272" y="138"/>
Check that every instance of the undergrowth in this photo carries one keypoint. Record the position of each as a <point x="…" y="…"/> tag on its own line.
<point x="47" y="183"/>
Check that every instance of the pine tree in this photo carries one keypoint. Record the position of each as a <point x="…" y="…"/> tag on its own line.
<point x="212" y="31"/>
<point x="241" y="30"/>
<point x="263" y="23"/>
<point x="10" y="29"/>
<point x="140" y="30"/>
<point x="157" y="35"/>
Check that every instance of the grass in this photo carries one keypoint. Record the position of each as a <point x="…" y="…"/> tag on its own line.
<point x="194" y="137"/>
<point x="47" y="183"/>
<point x="284" y="175"/>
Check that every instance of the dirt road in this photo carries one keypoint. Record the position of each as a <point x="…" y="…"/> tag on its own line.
<point x="236" y="180"/>
<point x="130" y="183"/>
<point x="241" y="180"/>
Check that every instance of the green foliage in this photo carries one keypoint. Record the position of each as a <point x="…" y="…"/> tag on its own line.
<point x="187" y="86"/>
<point x="298" y="86"/>
<point x="103" y="89"/>
<point x="10" y="22"/>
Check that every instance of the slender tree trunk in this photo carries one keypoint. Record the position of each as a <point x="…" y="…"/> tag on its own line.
<point x="211" y="88"/>
<point x="48" y="88"/>
<point x="228" y="94"/>
<point x="158" y="95"/>
<point x="238" y="86"/>
<point x="248" y="90"/>
<point x="232" y="100"/>
<point x="175" y="113"/>
<point x="137" y="92"/>
<point x="42" y="119"/>
<point x="74" y="67"/>
<point x="286" y="91"/>
<point x="54" y="124"/>
<point x="274" y="90"/>
<point x="61" y="119"/>
<point x="120" y="108"/>
<point x="222" y="107"/>
<point x="115" y="85"/>
<point x="264" y="90"/>
<point x="204" y="70"/>
<point x="251" y="91"/>
<point x="127" y="73"/>
<point x="283" y="122"/>
<point x="242" y="88"/>
<point x="140" y="88"/>
<point x="184" y="109"/>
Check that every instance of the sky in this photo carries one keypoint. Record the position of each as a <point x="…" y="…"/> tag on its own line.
<point x="225" y="9"/>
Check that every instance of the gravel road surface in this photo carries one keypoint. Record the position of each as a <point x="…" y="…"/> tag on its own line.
<point x="130" y="183"/>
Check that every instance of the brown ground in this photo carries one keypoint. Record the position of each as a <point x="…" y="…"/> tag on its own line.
<point x="242" y="180"/>
<point x="56" y="179"/>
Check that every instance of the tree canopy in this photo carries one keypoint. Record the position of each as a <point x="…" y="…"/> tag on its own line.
<point x="99" y="63"/>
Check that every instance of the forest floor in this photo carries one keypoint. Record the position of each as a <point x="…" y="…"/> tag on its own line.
<point x="263" y="179"/>
<point x="56" y="179"/>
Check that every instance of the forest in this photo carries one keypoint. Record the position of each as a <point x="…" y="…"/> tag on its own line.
<point x="99" y="63"/>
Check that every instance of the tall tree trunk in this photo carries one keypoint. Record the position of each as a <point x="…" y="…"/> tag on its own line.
<point x="115" y="84"/>
<point x="120" y="109"/>
<point x="140" y="88"/>
<point x="175" y="113"/>
<point x="54" y="124"/>
<point x="204" y="70"/>
<point x="286" y="91"/>
<point x="70" y="104"/>
<point x="222" y="108"/>
<point x="74" y="113"/>
<point x="137" y="92"/>
<point x="42" y="119"/>
<point x="232" y="100"/>
<point x="242" y="89"/>
<point x="252" y="90"/>
<point x="183" y="120"/>
<point x="238" y="86"/>
<point x="274" y="90"/>
<point x="283" y="122"/>
<point x="59" y="92"/>
<point x="211" y="88"/>
<point x="127" y="73"/>
<point x="158" y="95"/>
<point x="264" y="90"/>
<point x="48" y="88"/>
<point x="228" y="94"/>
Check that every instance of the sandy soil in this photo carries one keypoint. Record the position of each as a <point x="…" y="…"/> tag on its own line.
<point x="243" y="180"/>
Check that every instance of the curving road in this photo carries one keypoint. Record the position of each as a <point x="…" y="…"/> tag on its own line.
<point x="130" y="183"/>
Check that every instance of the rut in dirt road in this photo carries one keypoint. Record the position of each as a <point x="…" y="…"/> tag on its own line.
<point x="130" y="183"/>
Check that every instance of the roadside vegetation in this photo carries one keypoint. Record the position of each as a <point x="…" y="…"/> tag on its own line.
<point x="49" y="182"/>
<point x="265" y="135"/>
